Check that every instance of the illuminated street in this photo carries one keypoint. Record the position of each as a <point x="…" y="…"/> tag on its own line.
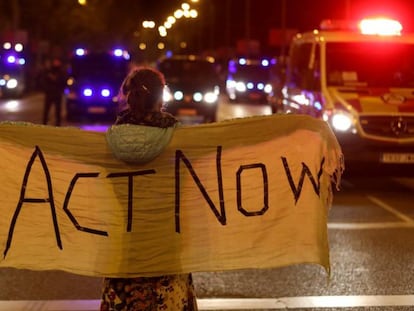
<point x="370" y="228"/>
<point x="347" y="64"/>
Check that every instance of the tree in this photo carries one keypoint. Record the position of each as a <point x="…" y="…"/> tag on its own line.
<point x="66" y="23"/>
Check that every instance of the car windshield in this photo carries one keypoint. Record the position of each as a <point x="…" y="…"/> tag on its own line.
<point x="379" y="64"/>
<point x="252" y="72"/>
<point x="198" y="70"/>
<point x="99" y="66"/>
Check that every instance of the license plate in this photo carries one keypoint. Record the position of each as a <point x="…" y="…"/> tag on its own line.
<point x="255" y="96"/>
<point x="397" y="158"/>
<point x="96" y="109"/>
<point x="187" y="112"/>
<point x="189" y="120"/>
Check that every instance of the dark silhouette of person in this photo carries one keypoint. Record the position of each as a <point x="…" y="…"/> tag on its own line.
<point x="53" y="85"/>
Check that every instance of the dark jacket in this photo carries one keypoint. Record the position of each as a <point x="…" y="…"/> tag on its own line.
<point x="53" y="81"/>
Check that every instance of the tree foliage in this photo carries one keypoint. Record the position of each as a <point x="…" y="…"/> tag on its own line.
<point x="67" y="23"/>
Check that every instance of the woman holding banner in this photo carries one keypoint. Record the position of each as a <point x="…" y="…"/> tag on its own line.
<point x="142" y="91"/>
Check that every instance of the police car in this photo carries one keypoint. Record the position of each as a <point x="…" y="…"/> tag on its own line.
<point x="250" y="79"/>
<point x="12" y="69"/>
<point x="94" y="81"/>
<point x="359" y="77"/>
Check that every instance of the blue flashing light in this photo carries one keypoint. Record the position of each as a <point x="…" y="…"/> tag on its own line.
<point x="118" y="52"/>
<point x="265" y="62"/>
<point x="11" y="59"/>
<point x="318" y="105"/>
<point x="87" y="92"/>
<point x="80" y="52"/>
<point x="232" y="66"/>
<point x="105" y="92"/>
<point x="242" y="61"/>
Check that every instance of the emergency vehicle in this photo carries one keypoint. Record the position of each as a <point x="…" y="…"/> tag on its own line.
<point x="359" y="77"/>
<point x="12" y="69"/>
<point x="250" y="79"/>
<point x="93" y="83"/>
<point x="193" y="87"/>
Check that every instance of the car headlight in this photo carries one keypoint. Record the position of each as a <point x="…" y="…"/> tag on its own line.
<point x="241" y="87"/>
<point x="198" y="97"/>
<point x="12" y="84"/>
<point x="230" y="84"/>
<point x="210" y="97"/>
<point x="341" y="121"/>
<point x="268" y="88"/>
<point x="178" y="95"/>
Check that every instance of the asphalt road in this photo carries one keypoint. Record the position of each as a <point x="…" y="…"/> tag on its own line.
<point x="371" y="230"/>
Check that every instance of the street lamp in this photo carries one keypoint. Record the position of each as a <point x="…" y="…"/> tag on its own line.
<point x="148" y="24"/>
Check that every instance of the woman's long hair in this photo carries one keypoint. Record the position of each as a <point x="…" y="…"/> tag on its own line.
<point x="142" y="90"/>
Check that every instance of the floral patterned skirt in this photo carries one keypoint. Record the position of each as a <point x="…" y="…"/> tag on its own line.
<point x="169" y="292"/>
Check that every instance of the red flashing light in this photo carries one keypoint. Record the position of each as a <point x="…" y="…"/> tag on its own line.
<point x="380" y="26"/>
<point x="370" y="26"/>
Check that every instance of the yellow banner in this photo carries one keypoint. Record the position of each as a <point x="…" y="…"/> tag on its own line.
<point x="238" y="194"/>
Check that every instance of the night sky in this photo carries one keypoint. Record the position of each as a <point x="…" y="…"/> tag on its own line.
<point x="234" y="19"/>
<point x="299" y="13"/>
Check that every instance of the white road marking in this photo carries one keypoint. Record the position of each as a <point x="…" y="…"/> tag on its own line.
<point x="406" y="221"/>
<point x="305" y="302"/>
<point x="390" y="209"/>
<point x="369" y="225"/>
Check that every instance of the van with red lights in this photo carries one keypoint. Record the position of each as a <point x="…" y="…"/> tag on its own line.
<point x="359" y="77"/>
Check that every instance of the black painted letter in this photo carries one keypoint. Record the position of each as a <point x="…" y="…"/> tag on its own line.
<point x="66" y="203"/>
<point x="305" y="170"/>
<point x="265" y="190"/>
<point x="221" y="216"/>
<point x="49" y="200"/>
<point x="130" y="190"/>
